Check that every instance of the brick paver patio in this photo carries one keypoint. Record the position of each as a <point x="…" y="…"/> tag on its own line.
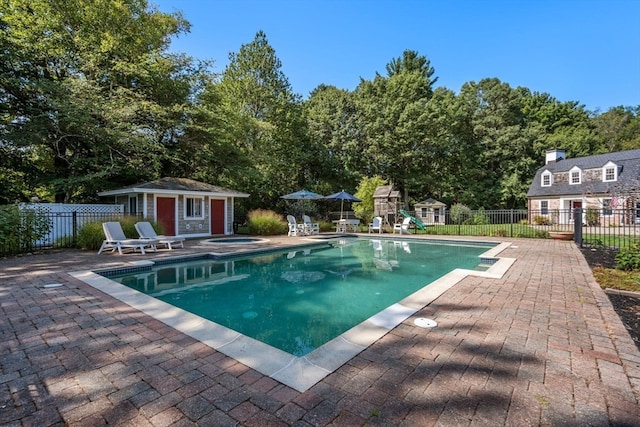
<point x="541" y="346"/>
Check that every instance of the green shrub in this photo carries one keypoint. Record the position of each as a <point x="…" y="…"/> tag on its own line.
<point x="20" y="229"/>
<point x="326" y="226"/>
<point x="478" y="218"/>
<point x="541" y="220"/>
<point x="91" y="235"/>
<point x="459" y="213"/>
<point x="264" y="222"/>
<point x="592" y="216"/>
<point x="501" y="232"/>
<point x="628" y="258"/>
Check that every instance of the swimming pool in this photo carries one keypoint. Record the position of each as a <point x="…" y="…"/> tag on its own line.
<point x="298" y="315"/>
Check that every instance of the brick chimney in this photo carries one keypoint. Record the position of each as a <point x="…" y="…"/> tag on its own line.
<point x="555" y="155"/>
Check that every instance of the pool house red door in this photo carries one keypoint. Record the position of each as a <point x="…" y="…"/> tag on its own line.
<point x="217" y="216"/>
<point x="166" y="214"/>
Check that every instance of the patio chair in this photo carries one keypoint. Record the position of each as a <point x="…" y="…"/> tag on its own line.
<point x="376" y="225"/>
<point x="295" y="229"/>
<point x="146" y="231"/>
<point x="115" y="239"/>
<point x="402" y="228"/>
<point x="310" y="227"/>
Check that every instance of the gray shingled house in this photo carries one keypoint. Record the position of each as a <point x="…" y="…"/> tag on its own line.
<point x="608" y="184"/>
<point x="183" y="206"/>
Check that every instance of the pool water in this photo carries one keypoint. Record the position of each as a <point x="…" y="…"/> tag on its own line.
<point x="299" y="300"/>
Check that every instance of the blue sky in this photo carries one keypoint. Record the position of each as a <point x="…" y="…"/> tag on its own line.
<point x="575" y="50"/>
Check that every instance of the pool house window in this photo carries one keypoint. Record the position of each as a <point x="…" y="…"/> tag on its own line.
<point x="194" y="207"/>
<point x="547" y="179"/>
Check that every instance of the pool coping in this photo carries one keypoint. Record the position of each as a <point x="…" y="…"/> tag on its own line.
<point x="299" y="373"/>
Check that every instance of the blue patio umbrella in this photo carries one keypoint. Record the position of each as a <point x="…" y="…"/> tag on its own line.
<point x="302" y="195"/>
<point x="342" y="196"/>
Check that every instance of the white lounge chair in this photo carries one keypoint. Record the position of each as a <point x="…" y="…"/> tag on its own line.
<point x="402" y="228"/>
<point x="146" y="231"/>
<point x="115" y="239"/>
<point x="376" y="225"/>
<point x="310" y="227"/>
<point x="295" y="229"/>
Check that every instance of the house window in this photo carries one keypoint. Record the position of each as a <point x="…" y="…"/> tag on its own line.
<point x="423" y="212"/>
<point x="133" y="205"/>
<point x="609" y="172"/>
<point x="547" y="179"/>
<point x="607" y="207"/>
<point x="544" y="207"/>
<point x="194" y="207"/>
<point x="575" y="176"/>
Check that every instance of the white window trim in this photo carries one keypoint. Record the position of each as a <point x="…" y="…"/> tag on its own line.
<point x="545" y="174"/>
<point x="615" y="172"/>
<point x="571" y="172"/>
<point x="186" y="202"/>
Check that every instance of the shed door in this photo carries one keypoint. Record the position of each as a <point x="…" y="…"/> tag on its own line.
<point x="166" y="214"/>
<point x="217" y="216"/>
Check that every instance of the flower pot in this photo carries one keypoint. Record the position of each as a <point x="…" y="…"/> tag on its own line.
<point x="561" y="235"/>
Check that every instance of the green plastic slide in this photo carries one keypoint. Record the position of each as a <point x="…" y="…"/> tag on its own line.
<point x="415" y="220"/>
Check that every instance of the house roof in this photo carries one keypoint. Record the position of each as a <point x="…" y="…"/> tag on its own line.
<point x="170" y="185"/>
<point x="430" y="202"/>
<point x="387" y="192"/>
<point x="628" y="163"/>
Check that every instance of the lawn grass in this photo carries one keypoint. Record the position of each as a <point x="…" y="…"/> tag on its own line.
<point x="617" y="279"/>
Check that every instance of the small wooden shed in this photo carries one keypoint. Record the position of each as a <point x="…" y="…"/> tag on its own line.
<point x="385" y="203"/>
<point x="184" y="207"/>
<point x="431" y="211"/>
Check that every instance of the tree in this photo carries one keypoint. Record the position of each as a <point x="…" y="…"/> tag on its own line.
<point x="619" y="128"/>
<point x="88" y="93"/>
<point x="269" y="125"/>
<point x="366" y="189"/>
<point x="411" y="62"/>
<point x="392" y="118"/>
<point x="502" y="145"/>
<point x="335" y="137"/>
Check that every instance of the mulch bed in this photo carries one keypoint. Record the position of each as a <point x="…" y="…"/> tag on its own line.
<point x="628" y="308"/>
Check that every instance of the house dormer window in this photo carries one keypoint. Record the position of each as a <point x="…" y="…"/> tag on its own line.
<point x="610" y="172"/>
<point x="547" y="179"/>
<point x="575" y="176"/>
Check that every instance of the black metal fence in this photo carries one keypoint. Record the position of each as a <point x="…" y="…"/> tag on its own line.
<point x="587" y="227"/>
<point x="614" y="228"/>
<point x="26" y="231"/>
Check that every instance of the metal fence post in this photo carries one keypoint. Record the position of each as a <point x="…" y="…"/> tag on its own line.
<point x="577" y="226"/>
<point x="511" y="223"/>
<point x="74" y="228"/>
